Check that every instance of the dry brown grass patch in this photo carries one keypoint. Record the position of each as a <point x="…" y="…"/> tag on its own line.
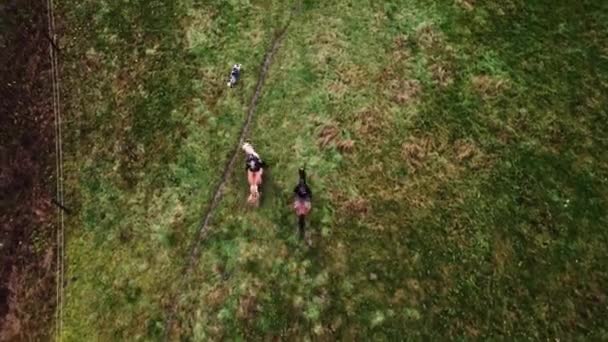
<point x="488" y="86"/>
<point x="352" y="74"/>
<point x="502" y="253"/>
<point x="327" y="44"/>
<point x="120" y="84"/>
<point x="407" y="91"/>
<point x="328" y="133"/>
<point x="395" y="78"/>
<point x="398" y="297"/>
<point x="371" y="122"/>
<point x="427" y="37"/>
<point x="441" y="54"/>
<point x="416" y="150"/>
<point x="464" y="150"/>
<point x="471" y="330"/>
<point x="441" y="74"/>
<point x="349" y="205"/>
<point x="337" y="89"/>
<point x="418" y="199"/>
<point x="450" y="157"/>
<point x="93" y="60"/>
<point x="400" y="42"/>
<point x="345" y="146"/>
<point x="217" y="296"/>
<point x="401" y="52"/>
<point x="339" y="257"/>
<point x="357" y="206"/>
<point x="248" y="307"/>
<point x="594" y="101"/>
<point x="467" y="5"/>
<point x="415" y="292"/>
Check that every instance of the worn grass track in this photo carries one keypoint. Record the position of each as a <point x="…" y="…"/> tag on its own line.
<point x="217" y="194"/>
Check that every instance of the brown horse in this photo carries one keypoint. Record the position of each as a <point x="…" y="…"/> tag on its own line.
<point x="255" y="170"/>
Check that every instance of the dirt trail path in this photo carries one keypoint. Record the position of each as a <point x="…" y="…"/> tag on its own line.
<point x="217" y="194"/>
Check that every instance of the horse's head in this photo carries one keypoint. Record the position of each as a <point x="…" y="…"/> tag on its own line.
<point x="249" y="149"/>
<point x="302" y="174"/>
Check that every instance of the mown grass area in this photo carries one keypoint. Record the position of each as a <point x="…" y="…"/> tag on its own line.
<point x="150" y="125"/>
<point x="456" y="152"/>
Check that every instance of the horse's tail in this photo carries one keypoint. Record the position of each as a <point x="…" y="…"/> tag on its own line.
<point x="301" y="225"/>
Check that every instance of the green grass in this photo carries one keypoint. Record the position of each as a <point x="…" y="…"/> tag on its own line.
<point x="150" y="126"/>
<point x="456" y="152"/>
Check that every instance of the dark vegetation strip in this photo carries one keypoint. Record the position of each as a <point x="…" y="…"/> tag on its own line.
<point x="217" y="194"/>
<point x="26" y="174"/>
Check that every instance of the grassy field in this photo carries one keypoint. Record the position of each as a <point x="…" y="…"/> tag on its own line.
<point x="456" y="149"/>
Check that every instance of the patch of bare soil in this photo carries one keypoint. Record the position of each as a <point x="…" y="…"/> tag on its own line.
<point x="27" y="284"/>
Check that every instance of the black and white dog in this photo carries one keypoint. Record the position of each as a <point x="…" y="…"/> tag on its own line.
<point x="235" y="74"/>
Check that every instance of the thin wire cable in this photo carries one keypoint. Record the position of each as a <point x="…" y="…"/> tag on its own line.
<point x="61" y="178"/>
<point x="60" y="260"/>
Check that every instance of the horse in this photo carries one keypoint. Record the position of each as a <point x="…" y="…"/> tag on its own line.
<point x="255" y="169"/>
<point x="302" y="200"/>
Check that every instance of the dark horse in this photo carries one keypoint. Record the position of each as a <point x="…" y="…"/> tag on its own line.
<point x="302" y="201"/>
